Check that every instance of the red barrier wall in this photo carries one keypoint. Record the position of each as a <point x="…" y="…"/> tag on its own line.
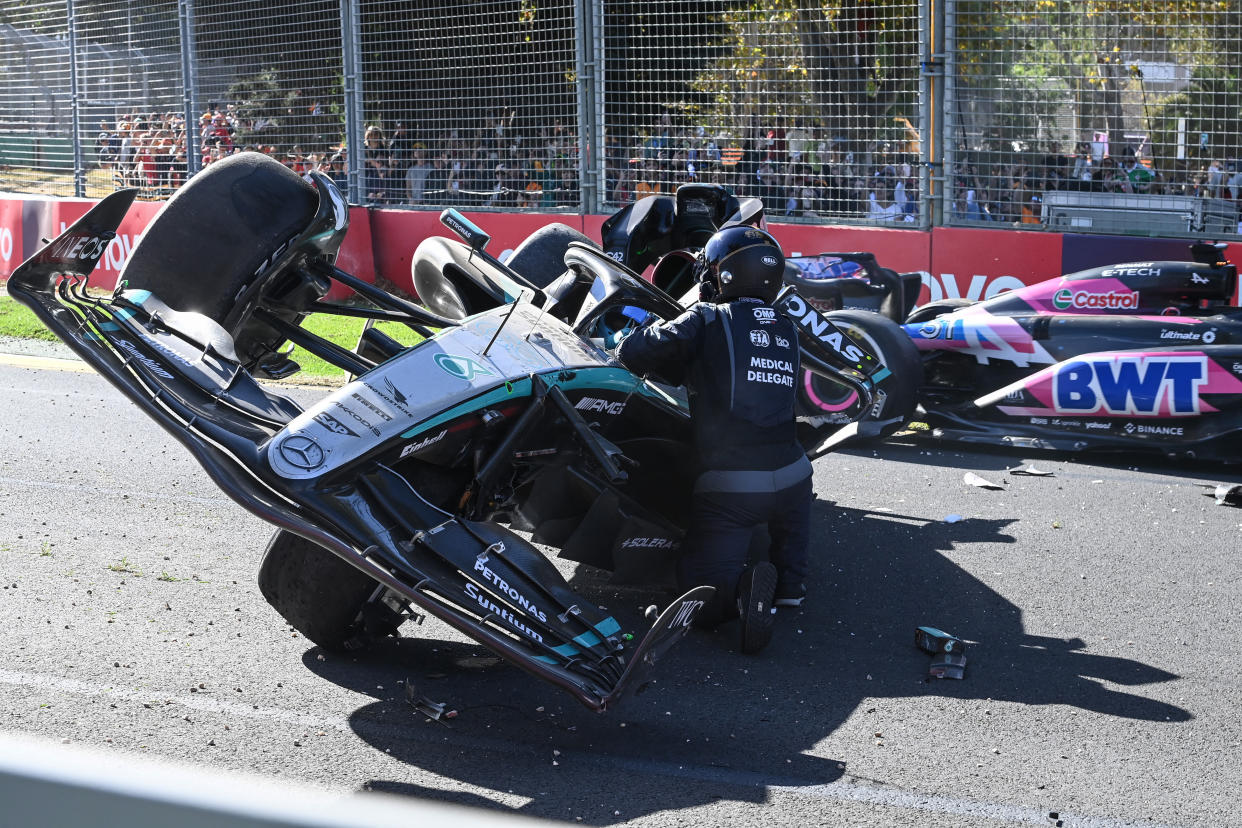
<point x="25" y="222"/>
<point x="974" y="263"/>
<point x="398" y="232"/>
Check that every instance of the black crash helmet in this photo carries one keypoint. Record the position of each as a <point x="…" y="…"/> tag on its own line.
<point x="744" y="261"/>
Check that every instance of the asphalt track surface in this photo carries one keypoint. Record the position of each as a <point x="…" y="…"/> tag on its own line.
<point x="1101" y="607"/>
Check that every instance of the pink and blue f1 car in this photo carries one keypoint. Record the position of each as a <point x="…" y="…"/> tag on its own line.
<point x="1143" y="355"/>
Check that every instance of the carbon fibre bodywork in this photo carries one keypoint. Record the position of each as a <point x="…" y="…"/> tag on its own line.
<point x="377" y="471"/>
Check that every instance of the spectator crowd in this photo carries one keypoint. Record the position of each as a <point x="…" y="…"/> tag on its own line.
<point x="1014" y="192"/>
<point x="798" y="169"/>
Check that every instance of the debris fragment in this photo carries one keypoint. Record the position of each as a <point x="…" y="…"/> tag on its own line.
<point x="1226" y="494"/>
<point x="1031" y="471"/>
<point x="932" y="640"/>
<point x="948" y="665"/>
<point x="975" y="480"/>
<point x="435" y="711"/>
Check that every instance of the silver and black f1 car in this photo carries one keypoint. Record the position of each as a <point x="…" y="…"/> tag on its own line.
<point x="666" y="232"/>
<point x="399" y="493"/>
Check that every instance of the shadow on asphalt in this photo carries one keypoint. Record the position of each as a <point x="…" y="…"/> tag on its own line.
<point x="717" y="725"/>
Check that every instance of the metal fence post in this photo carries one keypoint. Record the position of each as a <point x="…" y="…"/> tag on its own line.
<point x="351" y="70"/>
<point x="589" y="60"/>
<point x="931" y="97"/>
<point x="75" y="104"/>
<point x="189" y="86"/>
<point x="948" y="157"/>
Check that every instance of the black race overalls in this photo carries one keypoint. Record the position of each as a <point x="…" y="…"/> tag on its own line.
<point x="739" y="362"/>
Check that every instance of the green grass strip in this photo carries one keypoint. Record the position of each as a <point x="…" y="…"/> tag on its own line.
<point x="17" y="321"/>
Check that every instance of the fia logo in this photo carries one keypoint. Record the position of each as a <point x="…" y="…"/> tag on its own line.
<point x="760" y="339"/>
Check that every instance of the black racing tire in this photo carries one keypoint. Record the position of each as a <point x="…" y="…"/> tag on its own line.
<point x="207" y="242"/>
<point x="824" y="406"/>
<point x="541" y="257"/>
<point x="319" y="594"/>
<point x="940" y="307"/>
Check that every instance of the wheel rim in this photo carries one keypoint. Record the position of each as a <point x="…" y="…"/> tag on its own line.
<point x="831" y="397"/>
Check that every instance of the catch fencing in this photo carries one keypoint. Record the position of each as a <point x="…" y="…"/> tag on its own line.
<point x="1115" y="116"/>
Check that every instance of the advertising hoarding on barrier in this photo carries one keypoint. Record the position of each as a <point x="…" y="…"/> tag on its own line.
<point x="26" y="222"/>
<point x="978" y="264"/>
<point x="954" y="262"/>
<point x="398" y="232"/>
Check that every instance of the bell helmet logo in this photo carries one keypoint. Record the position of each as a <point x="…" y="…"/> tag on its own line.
<point x="1065" y="298"/>
<point x="302" y="452"/>
<point x="463" y="368"/>
<point x="770" y="261"/>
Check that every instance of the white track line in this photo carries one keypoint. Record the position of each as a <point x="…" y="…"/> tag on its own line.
<point x="844" y="790"/>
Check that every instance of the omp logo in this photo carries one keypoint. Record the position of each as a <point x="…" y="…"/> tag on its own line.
<point x="765" y="314"/>
<point x="685" y="613"/>
<point x="1130" y="385"/>
<point x="1066" y="298"/>
<point x="334" y="425"/>
<point x="463" y="368"/>
<point x="606" y="406"/>
<point x="760" y="339"/>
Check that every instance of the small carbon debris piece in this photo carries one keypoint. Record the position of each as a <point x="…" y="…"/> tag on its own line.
<point x="948" y="666"/>
<point x="932" y="640"/>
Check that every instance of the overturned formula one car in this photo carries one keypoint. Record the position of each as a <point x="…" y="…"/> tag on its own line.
<point x="402" y="491"/>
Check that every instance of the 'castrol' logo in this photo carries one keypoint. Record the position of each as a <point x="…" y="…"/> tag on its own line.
<point x="1065" y="298"/>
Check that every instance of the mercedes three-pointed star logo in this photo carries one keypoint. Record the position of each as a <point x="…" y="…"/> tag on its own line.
<point x="301" y="451"/>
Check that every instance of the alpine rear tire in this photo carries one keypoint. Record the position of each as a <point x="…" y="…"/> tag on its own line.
<point x="928" y="312"/>
<point x="825" y="406"/>
<point x="319" y="594"/>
